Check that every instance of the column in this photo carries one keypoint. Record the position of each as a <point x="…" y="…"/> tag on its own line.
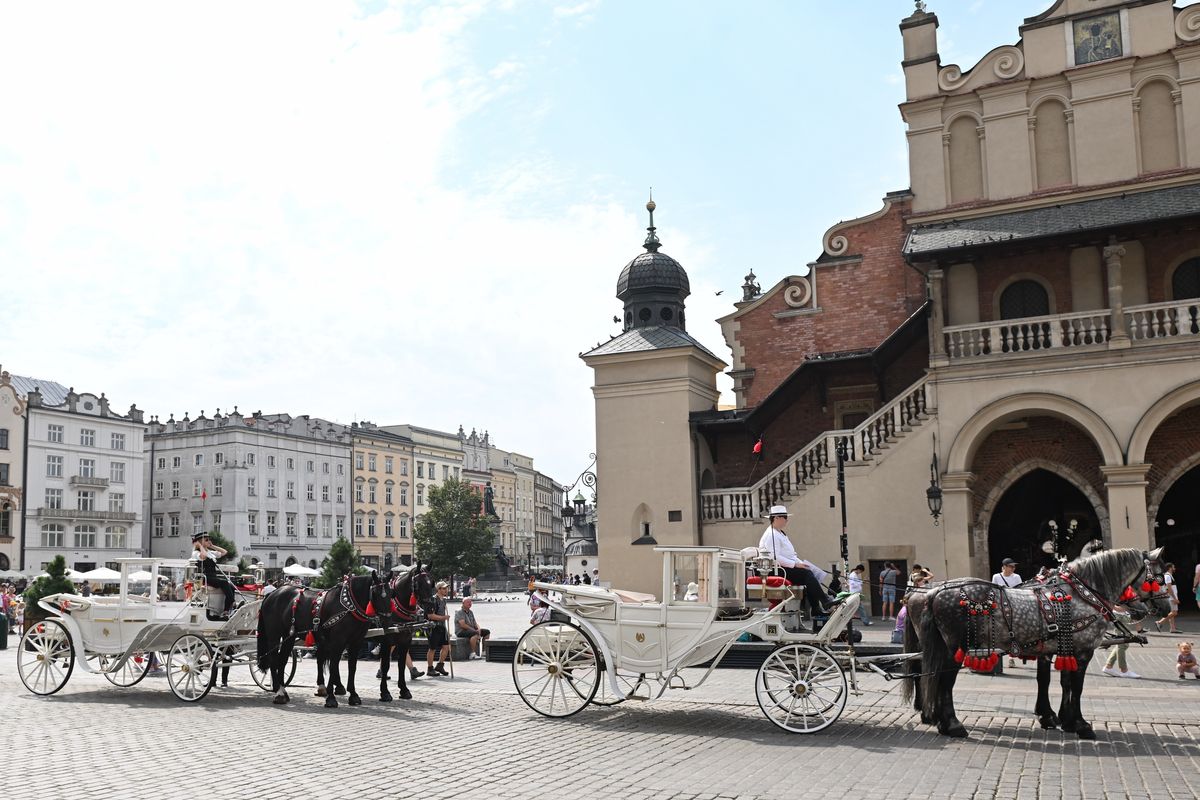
<point x="957" y="514"/>
<point x="1118" y="335"/>
<point x="937" y="338"/>
<point x="1127" y="513"/>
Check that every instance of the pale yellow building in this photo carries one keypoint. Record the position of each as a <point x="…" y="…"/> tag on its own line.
<point x="382" y="495"/>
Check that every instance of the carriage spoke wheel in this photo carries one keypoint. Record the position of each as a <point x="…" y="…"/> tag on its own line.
<point x="629" y="685"/>
<point x="190" y="668"/>
<point x="556" y="669"/>
<point x="130" y="673"/>
<point x="263" y="677"/>
<point x="46" y="658"/>
<point x="801" y="688"/>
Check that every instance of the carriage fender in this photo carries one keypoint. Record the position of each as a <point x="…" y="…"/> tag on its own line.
<point x="597" y="639"/>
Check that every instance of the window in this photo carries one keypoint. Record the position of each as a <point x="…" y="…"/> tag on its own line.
<point x="358" y="460"/>
<point x="162" y="463"/>
<point x="341" y="527"/>
<point x="216" y="520"/>
<point x="403" y="466"/>
<point x="325" y="493"/>
<point x="1185" y="281"/>
<point x="197" y="487"/>
<point x="420" y="495"/>
<point x="251" y="487"/>
<point x="54" y="433"/>
<point x="291" y="463"/>
<point x="358" y="492"/>
<point x="87" y="437"/>
<point x="218" y="486"/>
<point x="158" y="526"/>
<point x="358" y="525"/>
<point x="270" y="487"/>
<point x="86" y="501"/>
<point x="325" y="527"/>
<point x="116" y="472"/>
<point x="310" y="525"/>
<point x="445" y="472"/>
<point x="54" y="498"/>
<point x="3" y="438"/>
<point x="341" y="470"/>
<point x="387" y="527"/>
<point x="197" y="523"/>
<point x="371" y="493"/>
<point x="371" y="462"/>
<point x="252" y="523"/>
<point x="198" y="460"/>
<point x="291" y="490"/>
<point x="270" y="462"/>
<point x="403" y="495"/>
<point x="250" y="459"/>
<point x="53" y="536"/>
<point x="341" y="497"/>
<point x="1024" y="299"/>
<point x="114" y="537"/>
<point x="456" y="473"/>
<point x="4" y="480"/>
<point x="371" y="527"/>
<point x="420" y="469"/>
<point x="387" y="495"/>
<point x="116" y="502"/>
<point x="85" y="536"/>
<point x="176" y="462"/>
<point x="324" y="467"/>
<point x="219" y="458"/>
<point x="310" y="492"/>
<point x="387" y="464"/>
<point x="118" y="441"/>
<point x="174" y="530"/>
<point x="291" y="524"/>
<point x="270" y="524"/>
<point x="311" y="466"/>
<point x="404" y="527"/>
<point x="87" y="467"/>
<point x="174" y="488"/>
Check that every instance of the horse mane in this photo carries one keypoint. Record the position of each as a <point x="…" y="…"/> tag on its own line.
<point x="1109" y="570"/>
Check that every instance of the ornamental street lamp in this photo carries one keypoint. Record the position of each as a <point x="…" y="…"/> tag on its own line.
<point x="933" y="495"/>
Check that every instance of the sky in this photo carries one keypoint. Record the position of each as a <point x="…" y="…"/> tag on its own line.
<point x="417" y="212"/>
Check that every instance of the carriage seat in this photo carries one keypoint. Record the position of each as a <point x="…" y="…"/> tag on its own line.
<point x="626" y="596"/>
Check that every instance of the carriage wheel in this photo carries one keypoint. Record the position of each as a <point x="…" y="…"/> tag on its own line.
<point x="801" y="688"/>
<point x="130" y="673"/>
<point x="46" y="657"/>
<point x="190" y="667"/>
<point x="629" y="685"/>
<point x="556" y="669"/>
<point x="263" y="677"/>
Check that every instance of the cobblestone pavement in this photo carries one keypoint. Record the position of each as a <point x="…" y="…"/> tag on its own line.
<point x="474" y="737"/>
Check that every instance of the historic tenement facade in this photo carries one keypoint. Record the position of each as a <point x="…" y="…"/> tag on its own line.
<point x="12" y="472"/>
<point x="383" y="496"/>
<point x="1021" y="326"/>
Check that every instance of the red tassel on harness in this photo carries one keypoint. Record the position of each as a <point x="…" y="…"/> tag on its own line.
<point x="1128" y="595"/>
<point x="412" y="599"/>
<point x="958" y="656"/>
<point x="309" y="641"/>
<point x="370" y="609"/>
<point x="1145" y="586"/>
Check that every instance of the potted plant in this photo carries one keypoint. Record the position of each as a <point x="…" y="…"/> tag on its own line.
<point x="54" y="582"/>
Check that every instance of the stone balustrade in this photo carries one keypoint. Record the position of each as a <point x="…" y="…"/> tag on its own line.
<point x="1157" y="321"/>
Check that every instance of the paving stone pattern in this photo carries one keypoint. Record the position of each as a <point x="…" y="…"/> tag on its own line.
<point x="95" y="741"/>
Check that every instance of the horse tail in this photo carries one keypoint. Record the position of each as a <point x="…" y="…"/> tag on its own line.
<point x="912" y="644"/>
<point x="935" y="656"/>
<point x="272" y="626"/>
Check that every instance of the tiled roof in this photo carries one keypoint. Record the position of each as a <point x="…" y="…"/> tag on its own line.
<point x="653" y="272"/>
<point x="53" y="394"/>
<point x="658" y="337"/>
<point x="1087" y="215"/>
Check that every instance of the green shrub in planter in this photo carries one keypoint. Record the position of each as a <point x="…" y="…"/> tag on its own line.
<point x="55" y="583"/>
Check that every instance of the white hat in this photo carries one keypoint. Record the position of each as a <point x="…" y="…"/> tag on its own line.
<point x="778" y="511"/>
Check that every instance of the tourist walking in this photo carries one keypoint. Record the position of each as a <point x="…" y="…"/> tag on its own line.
<point x="1115" y="666"/>
<point x="1172" y="590"/>
<point x="1007" y="577"/>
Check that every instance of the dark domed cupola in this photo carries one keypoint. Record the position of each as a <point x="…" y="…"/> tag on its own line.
<point x="653" y="286"/>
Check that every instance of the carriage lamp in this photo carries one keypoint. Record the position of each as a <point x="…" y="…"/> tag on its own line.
<point x="568" y="514"/>
<point x="933" y="495"/>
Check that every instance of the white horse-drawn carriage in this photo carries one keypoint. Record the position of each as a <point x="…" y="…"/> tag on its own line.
<point x="606" y="646"/>
<point x="117" y="635"/>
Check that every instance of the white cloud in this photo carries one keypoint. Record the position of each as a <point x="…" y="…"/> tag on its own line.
<point x="205" y="208"/>
<point x="577" y="10"/>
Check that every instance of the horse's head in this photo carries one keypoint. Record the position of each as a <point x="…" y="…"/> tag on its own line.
<point x="378" y="593"/>
<point x="1148" y="589"/>
<point x="422" y="586"/>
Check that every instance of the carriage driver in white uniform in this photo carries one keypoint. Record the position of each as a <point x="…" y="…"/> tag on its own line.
<point x="800" y="572"/>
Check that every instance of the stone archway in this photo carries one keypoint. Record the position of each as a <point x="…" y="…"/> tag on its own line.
<point x="1170" y="405"/>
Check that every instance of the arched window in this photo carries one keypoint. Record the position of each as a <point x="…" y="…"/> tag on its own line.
<point x="1024" y="299"/>
<point x="1185" y="283"/>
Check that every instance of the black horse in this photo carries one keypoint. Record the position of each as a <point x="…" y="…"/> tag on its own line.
<point x="335" y="621"/>
<point x="970" y="622"/>
<point x="412" y="598"/>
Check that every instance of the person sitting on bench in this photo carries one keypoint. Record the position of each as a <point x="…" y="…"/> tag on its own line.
<point x="465" y="626"/>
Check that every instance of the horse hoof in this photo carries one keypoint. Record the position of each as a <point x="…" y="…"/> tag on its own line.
<point x="1085" y="732"/>
<point x="331" y="702"/>
<point x="339" y="690"/>
<point x="956" y="731"/>
<point x="279" y="700"/>
<point x="385" y="698"/>
<point x="928" y="720"/>
<point x="406" y="695"/>
<point x="1048" y="723"/>
<point x="1069" y="727"/>
<point x="355" y="700"/>
<point x="320" y="691"/>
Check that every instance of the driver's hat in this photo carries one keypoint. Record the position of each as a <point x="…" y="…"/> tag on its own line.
<point x="198" y="536"/>
<point x="778" y="511"/>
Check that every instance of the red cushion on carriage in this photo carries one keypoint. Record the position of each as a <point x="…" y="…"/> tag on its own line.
<point x="773" y="581"/>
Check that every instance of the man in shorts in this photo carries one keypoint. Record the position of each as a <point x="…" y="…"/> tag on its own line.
<point x="439" y="638"/>
<point x="887" y="587"/>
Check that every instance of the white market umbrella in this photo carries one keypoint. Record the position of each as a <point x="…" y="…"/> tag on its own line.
<point x="140" y="575"/>
<point x="101" y="574"/>
<point x="300" y="571"/>
<point x="10" y="574"/>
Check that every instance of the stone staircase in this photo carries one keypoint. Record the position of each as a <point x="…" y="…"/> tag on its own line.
<point x="867" y="443"/>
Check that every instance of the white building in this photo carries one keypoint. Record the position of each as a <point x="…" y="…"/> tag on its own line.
<point x="84" y="467"/>
<point x="12" y="472"/>
<point x="275" y="485"/>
